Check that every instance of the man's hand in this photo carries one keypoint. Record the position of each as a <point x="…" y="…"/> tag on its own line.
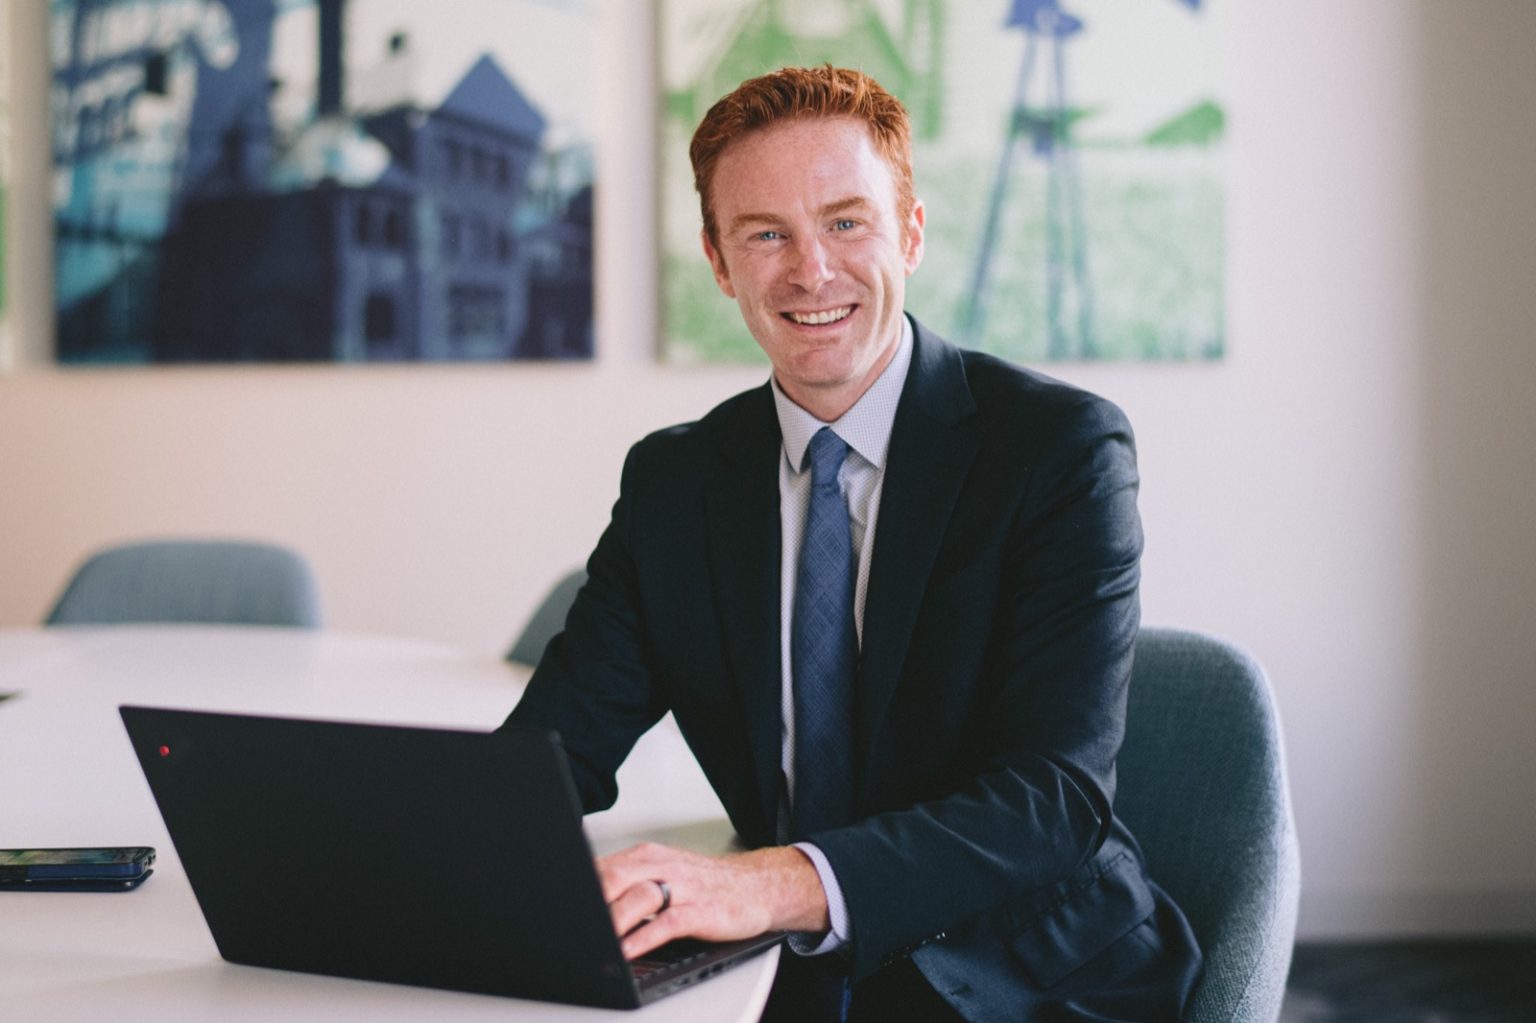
<point x="714" y="898"/>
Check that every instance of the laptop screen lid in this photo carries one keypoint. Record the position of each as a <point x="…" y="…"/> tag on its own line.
<point x="433" y="857"/>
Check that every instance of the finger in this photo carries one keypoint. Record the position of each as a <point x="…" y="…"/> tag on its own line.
<point x="634" y="906"/>
<point x="674" y="923"/>
<point x="621" y="871"/>
<point x="612" y="879"/>
<point x="618" y="876"/>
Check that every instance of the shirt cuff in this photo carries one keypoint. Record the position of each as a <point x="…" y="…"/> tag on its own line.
<point x="836" y="938"/>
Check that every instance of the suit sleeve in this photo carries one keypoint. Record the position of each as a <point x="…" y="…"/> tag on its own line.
<point x="593" y="685"/>
<point x="1048" y="714"/>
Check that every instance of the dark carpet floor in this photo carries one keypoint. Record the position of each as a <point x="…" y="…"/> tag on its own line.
<point x="1447" y="981"/>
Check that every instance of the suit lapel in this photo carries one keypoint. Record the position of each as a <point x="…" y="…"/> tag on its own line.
<point x="742" y="505"/>
<point x="933" y="443"/>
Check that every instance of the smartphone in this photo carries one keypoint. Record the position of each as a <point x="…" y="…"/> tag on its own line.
<point x="115" y="868"/>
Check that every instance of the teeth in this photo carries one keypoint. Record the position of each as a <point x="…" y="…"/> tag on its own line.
<point x="816" y="319"/>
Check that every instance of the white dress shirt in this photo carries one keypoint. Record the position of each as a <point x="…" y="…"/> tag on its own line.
<point x="866" y="429"/>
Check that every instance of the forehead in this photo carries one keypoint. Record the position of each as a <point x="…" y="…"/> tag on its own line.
<point x="805" y="163"/>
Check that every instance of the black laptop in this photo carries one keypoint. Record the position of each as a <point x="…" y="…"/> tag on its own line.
<point x="440" y="858"/>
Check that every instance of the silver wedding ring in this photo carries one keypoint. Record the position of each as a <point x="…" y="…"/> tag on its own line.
<point x="666" y="895"/>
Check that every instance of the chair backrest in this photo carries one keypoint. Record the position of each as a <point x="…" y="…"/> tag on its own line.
<point x="548" y="620"/>
<point x="1202" y="785"/>
<point x="212" y="581"/>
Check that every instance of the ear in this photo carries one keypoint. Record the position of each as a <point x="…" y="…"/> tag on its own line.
<point x="913" y="243"/>
<point x="717" y="264"/>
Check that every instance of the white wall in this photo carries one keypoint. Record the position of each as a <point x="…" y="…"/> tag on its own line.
<point x="1347" y="494"/>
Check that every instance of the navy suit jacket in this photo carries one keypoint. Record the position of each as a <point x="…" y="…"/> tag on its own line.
<point x="998" y="629"/>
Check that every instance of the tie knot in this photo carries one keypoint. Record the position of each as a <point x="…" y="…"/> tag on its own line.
<point x="825" y="455"/>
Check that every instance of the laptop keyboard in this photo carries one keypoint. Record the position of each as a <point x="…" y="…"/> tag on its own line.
<point x="673" y="957"/>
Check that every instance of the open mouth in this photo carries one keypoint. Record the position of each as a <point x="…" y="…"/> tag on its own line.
<point x="820" y="318"/>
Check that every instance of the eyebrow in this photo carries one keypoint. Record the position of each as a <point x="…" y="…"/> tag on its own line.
<point x="844" y="205"/>
<point x="830" y="209"/>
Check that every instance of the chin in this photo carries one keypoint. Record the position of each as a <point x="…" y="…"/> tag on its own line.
<point x="823" y="366"/>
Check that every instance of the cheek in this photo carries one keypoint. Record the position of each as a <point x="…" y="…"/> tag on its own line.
<point x="755" y="281"/>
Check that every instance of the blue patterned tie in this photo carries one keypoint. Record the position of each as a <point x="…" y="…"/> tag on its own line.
<point x="824" y="649"/>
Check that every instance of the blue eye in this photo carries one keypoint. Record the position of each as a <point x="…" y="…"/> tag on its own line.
<point x="768" y="236"/>
<point x="844" y="225"/>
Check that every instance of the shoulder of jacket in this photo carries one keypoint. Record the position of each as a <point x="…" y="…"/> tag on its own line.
<point x="1015" y="394"/>
<point x="722" y="426"/>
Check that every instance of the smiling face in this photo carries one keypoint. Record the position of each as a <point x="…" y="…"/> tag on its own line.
<point x="813" y="250"/>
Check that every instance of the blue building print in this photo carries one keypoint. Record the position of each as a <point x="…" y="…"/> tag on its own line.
<point x="397" y="232"/>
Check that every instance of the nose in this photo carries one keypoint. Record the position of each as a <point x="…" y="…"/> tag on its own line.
<point x="810" y="267"/>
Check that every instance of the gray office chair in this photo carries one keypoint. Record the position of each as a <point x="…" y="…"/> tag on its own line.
<point x="191" y="581"/>
<point x="1202" y="786"/>
<point x="548" y="620"/>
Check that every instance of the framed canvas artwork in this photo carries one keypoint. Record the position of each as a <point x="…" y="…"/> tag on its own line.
<point x="5" y="173"/>
<point x="322" y="180"/>
<point x="1068" y="152"/>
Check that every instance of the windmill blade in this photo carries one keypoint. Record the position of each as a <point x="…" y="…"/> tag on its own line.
<point x="1042" y="17"/>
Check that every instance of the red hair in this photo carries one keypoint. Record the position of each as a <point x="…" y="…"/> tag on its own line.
<point x="799" y="92"/>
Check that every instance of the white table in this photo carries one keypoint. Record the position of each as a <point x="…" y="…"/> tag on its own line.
<point x="69" y="778"/>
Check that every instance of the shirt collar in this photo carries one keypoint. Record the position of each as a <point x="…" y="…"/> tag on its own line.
<point x="866" y="427"/>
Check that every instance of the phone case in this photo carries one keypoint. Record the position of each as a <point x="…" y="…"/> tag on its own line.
<point x="102" y="863"/>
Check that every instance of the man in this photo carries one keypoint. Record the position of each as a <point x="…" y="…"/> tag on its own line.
<point x="890" y="598"/>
